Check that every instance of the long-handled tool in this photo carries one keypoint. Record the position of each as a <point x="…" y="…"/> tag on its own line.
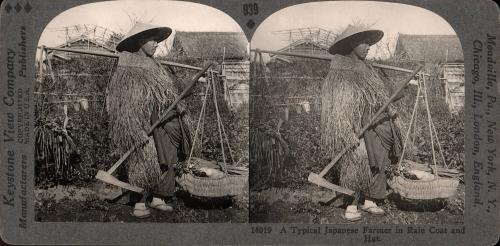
<point x="318" y="178"/>
<point x="107" y="176"/>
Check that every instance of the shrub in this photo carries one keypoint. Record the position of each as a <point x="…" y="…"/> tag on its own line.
<point x="75" y="156"/>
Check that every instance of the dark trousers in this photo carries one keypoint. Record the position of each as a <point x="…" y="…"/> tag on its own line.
<point x="168" y="138"/>
<point x="378" y="160"/>
<point x="167" y="154"/>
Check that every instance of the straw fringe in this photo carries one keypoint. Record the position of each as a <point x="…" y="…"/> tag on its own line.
<point x="350" y="88"/>
<point x="143" y="168"/>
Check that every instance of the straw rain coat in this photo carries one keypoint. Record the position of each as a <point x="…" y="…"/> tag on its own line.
<point x="139" y="91"/>
<point x="352" y="92"/>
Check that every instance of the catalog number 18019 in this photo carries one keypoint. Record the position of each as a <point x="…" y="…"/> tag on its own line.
<point x="261" y="229"/>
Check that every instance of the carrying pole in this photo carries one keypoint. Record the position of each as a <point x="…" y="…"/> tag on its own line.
<point x="116" y="55"/>
<point x="328" y="58"/>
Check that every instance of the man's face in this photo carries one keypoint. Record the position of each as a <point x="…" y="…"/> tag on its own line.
<point x="361" y="51"/>
<point x="149" y="48"/>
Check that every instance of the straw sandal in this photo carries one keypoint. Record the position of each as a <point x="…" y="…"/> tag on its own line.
<point x="352" y="214"/>
<point x="159" y="204"/>
<point x="372" y="208"/>
<point x="141" y="211"/>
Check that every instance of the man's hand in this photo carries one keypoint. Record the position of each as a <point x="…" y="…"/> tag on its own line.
<point x="356" y="141"/>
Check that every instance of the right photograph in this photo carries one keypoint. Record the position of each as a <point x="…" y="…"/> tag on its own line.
<point x="356" y="116"/>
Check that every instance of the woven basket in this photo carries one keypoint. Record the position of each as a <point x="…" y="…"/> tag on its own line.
<point x="229" y="185"/>
<point x="424" y="190"/>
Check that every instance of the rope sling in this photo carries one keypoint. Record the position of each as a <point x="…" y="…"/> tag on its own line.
<point x="429" y="186"/>
<point x="234" y="179"/>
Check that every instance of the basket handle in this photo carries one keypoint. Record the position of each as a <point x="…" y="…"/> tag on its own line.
<point x="412" y="121"/>
<point x="430" y="128"/>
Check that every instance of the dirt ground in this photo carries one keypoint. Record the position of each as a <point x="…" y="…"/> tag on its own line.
<point x="86" y="204"/>
<point x="275" y="205"/>
<point x="283" y="205"/>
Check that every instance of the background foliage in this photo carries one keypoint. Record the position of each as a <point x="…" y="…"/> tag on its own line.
<point x="289" y="84"/>
<point x="87" y="77"/>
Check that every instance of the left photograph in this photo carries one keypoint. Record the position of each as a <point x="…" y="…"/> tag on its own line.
<point x="141" y="115"/>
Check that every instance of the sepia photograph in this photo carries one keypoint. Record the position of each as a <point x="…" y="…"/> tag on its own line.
<point x="356" y="116"/>
<point x="262" y="122"/>
<point x="141" y="115"/>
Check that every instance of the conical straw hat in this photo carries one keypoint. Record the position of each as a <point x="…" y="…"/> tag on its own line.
<point x="139" y="31"/>
<point x="353" y="36"/>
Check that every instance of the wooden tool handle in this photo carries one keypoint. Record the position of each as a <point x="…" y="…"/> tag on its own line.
<point x="125" y="156"/>
<point x="337" y="158"/>
<point x="377" y="114"/>
<point x="384" y="107"/>
<point x="186" y="90"/>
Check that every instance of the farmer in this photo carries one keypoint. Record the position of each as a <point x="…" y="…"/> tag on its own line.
<point x="139" y="92"/>
<point x="351" y="94"/>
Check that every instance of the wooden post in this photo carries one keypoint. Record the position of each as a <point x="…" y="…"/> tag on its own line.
<point x="263" y="68"/>
<point x="40" y="72"/>
<point x="49" y="63"/>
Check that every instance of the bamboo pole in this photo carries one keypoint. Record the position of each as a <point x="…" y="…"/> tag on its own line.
<point x="412" y="123"/>
<point x="219" y="121"/>
<point x="116" y="55"/>
<point x="430" y="125"/>
<point x="328" y="58"/>
<point x="85" y="52"/>
<point x="202" y="111"/>
<point x="63" y="94"/>
<point x="438" y="144"/>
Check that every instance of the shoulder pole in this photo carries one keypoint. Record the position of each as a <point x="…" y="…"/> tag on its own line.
<point x="327" y="58"/>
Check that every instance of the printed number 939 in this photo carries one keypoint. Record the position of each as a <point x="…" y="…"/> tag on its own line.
<point x="250" y="9"/>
